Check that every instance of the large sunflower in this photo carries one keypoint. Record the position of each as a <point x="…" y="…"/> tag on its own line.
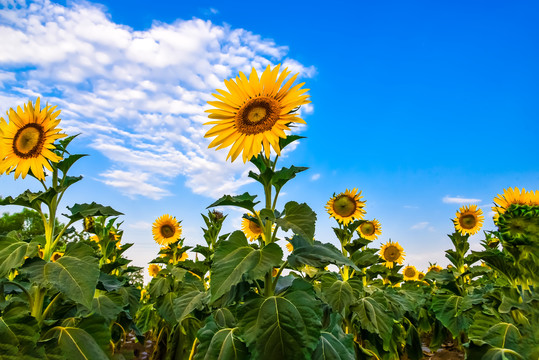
<point x="512" y="196"/>
<point x="370" y="229"/>
<point x="346" y="207"/>
<point x="26" y="141"/>
<point x="153" y="270"/>
<point x="251" y="229"/>
<point x="410" y="273"/>
<point x="469" y="219"/>
<point x="392" y="253"/>
<point x="166" y="230"/>
<point x="255" y="112"/>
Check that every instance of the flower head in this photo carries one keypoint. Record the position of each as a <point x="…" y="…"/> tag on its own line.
<point x="255" y="112"/>
<point x="56" y="255"/>
<point x="251" y="229"/>
<point x="370" y="229"/>
<point x="469" y="219"/>
<point x="512" y="196"/>
<point x="410" y="273"/>
<point x="346" y="207"/>
<point x="27" y="140"/>
<point x="435" y="268"/>
<point x="153" y="270"/>
<point x="392" y="253"/>
<point x="166" y="230"/>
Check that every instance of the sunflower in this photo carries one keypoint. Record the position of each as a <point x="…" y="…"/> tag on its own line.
<point x="290" y="247"/>
<point x="469" y="219"/>
<point x="513" y="196"/>
<point x="392" y="253"/>
<point x="89" y="224"/>
<point x="346" y="207"/>
<point x="435" y="268"/>
<point x="255" y="112"/>
<point x="153" y="270"/>
<point x="250" y="228"/>
<point x="410" y="273"/>
<point x="370" y="229"/>
<point x="420" y="275"/>
<point x="56" y="255"/>
<point x="166" y="230"/>
<point x="26" y="141"/>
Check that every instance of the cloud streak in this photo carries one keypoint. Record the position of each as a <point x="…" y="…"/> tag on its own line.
<point x="137" y="97"/>
<point x="459" y="200"/>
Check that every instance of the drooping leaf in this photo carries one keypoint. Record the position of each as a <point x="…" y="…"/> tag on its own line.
<point x="187" y="303"/>
<point x="282" y="327"/>
<point x="218" y="342"/>
<point x="77" y="344"/>
<point x="281" y="177"/>
<point x="370" y="315"/>
<point x="235" y="260"/>
<point x="106" y="307"/>
<point x="165" y="307"/>
<point x="19" y="332"/>
<point x="317" y="255"/>
<point x="451" y="311"/>
<point x="299" y="218"/>
<point x="365" y="258"/>
<point x="334" y="343"/>
<point x="338" y="293"/>
<point x="244" y="200"/>
<point x="12" y="253"/>
<point x="80" y="211"/>
<point x="75" y="274"/>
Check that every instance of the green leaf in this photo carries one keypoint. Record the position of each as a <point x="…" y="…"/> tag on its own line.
<point x="235" y="261"/>
<point x="187" y="303"/>
<point x="451" y="310"/>
<point x="77" y="344"/>
<point x="62" y="144"/>
<point x="19" y="332"/>
<point x="145" y="319"/>
<point x="338" y="293"/>
<point x="165" y="307"/>
<point x="217" y="342"/>
<point x="365" y="258"/>
<point x="12" y="253"/>
<point x="75" y="274"/>
<point x="282" y="327"/>
<point x="334" y="343"/>
<point x="503" y="335"/>
<point x="283" y="142"/>
<point x="244" y="200"/>
<point x="281" y="177"/>
<point x="299" y="218"/>
<point x="80" y="211"/>
<point x="106" y="307"/>
<point x="318" y="255"/>
<point x="369" y="314"/>
<point x="27" y="199"/>
<point x="67" y="162"/>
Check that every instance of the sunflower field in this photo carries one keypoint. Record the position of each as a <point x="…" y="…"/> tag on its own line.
<point x="270" y="290"/>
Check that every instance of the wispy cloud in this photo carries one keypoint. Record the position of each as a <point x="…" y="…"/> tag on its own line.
<point x="459" y="200"/>
<point x="315" y="177"/>
<point x="422" y="226"/>
<point x="138" y="97"/>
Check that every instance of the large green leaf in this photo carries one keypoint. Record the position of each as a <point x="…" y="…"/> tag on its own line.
<point x="334" y="344"/>
<point x="77" y="344"/>
<point x="339" y="294"/>
<point x="19" y="333"/>
<point x="282" y="327"/>
<point x="244" y="200"/>
<point x="452" y="312"/>
<point x="106" y="307"/>
<point x="316" y="254"/>
<point x="67" y="162"/>
<point x="299" y="218"/>
<point x="75" y="274"/>
<point x="165" y="307"/>
<point x="370" y="315"/>
<point x="235" y="261"/>
<point x="187" y="303"/>
<point x="12" y="253"/>
<point x="365" y="258"/>
<point x="27" y="199"/>
<point x="504" y="336"/>
<point x="80" y="211"/>
<point x="281" y="177"/>
<point x="217" y="342"/>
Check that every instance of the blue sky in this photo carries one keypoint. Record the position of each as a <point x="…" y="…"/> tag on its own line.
<point x="424" y="106"/>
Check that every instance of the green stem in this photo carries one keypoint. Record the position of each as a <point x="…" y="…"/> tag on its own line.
<point x="37" y="306"/>
<point x="49" y="307"/>
<point x="283" y="266"/>
<point x="268" y="285"/>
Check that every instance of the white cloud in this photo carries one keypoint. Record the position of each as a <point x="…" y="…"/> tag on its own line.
<point x="315" y="177"/>
<point x="459" y="200"/>
<point x="138" y="97"/>
<point x="421" y="226"/>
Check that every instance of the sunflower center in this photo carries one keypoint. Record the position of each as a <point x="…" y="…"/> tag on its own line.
<point x="391" y="253"/>
<point x="344" y="206"/>
<point x="420" y="276"/>
<point x="409" y="272"/>
<point x="257" y="115"/>
<point x="468" y="221"/>
<point x="367" y="228"/>
<point x="167" y="231"/>
<point x="28" y="141"/>
<point x="254" y="227"/>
